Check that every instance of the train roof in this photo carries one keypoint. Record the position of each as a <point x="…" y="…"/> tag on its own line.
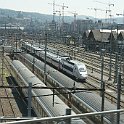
<point x="77" y="62"/>
<point x="37" y="48"/>
<point x="59" y="107"/>
<point x="7" y="49"/>
<point x="73" y="62"/>
<point x="52" y="55"/>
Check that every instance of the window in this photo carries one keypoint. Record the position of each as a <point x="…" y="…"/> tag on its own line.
<point x="68" y="68"/>
<point x="82" y="70"/>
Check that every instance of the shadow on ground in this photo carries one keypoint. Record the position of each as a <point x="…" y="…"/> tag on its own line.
<point x="19" y="98"/>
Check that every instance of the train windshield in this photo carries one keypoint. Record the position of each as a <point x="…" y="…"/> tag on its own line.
<point x="82" y="70"/>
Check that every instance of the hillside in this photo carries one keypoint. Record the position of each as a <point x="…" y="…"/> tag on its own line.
<point x="20" y="18"/>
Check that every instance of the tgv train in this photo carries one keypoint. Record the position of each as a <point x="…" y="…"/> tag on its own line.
<point x="65" y="63"/>
<point x="84" y="101"/>
<point x="43" y="105"/>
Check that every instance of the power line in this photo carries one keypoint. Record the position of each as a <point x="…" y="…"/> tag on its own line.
<point x="74" y="90"/>
<point x="56" y="88"/>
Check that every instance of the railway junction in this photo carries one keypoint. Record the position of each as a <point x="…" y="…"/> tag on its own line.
<point x="66" y="84"/>
<point x="12" y="103"/>
<point x="54" y="71"/>
<point x="101" y="92"/>
<point x="88" y="101"/>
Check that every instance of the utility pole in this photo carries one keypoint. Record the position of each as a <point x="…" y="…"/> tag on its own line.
<point x="45" y="58"/>
<point x="102" y="93"/>
<point x="33" y="62"/>
<point x="102" y="65"/>
<point x="116" y="68"/>
<point x="29" y="99"/>
<point x="68" y="112"/>
<point x="118" y="96"/>
<point x="110" y="62"/>
<point x="2" y="64"/>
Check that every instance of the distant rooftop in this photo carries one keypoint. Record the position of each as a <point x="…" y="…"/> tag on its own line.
<point x="11" y="27"/>
<point x="107" y="30"/>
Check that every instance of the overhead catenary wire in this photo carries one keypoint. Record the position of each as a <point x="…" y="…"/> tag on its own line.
<point x="42" y="87"/>
<point x="73" y="90"/>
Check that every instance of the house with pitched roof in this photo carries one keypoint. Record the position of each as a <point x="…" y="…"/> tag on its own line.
<point x="120" y="39"/>
<point x="96" y="40"/>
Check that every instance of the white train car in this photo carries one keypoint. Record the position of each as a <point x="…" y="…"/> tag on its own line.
<point x="31" y="48"/>
<point x="51" y="58"/>
<point x="43" y="105"/>
<point x="72" y="67"/>
<point x="7" y="49"/>
<point x="27" y="46"/>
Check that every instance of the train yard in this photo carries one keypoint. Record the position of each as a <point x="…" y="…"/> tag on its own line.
<point x="65" y="84"/>
<point x="94" y="73"/>
<point x="8" y="104"/>
<point x="13" y="105"/>
<point x="86" y="99"/>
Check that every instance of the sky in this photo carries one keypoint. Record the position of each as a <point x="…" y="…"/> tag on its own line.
<point x="82" y="7"/>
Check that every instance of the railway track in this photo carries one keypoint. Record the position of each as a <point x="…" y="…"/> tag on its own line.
<point x="110" y="90"/>
<point x="94" y="82"/>
<point x="94" y="62"/>
<point x="91" y="60"/>
<point x="88" y="85"/>
<point x="8" y="97"/>
<point x="51" y="84"/>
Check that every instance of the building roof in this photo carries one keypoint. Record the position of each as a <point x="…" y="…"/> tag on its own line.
<point x="97" y="35"/>
<point x="121" y="36"/>
<point x="102" y="35"/>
